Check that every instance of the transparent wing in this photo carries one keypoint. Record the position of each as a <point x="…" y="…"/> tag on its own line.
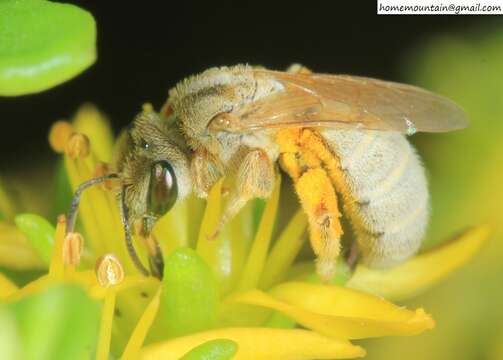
<point x="318" y="100"/>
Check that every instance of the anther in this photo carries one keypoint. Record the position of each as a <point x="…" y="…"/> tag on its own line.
<point x="109" y="271"/>
<point x="78" y="146"/>
<point x="73" y="245"/>
<point x="59" y="135"/>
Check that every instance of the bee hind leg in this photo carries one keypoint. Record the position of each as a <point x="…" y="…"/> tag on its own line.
<point x="319" y="201"/>
<point x="254" y="179"/>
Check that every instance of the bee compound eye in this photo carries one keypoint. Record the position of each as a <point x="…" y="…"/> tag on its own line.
<point x="163" y="188"/>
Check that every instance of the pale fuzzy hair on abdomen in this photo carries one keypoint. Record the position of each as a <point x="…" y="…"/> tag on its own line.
<point x="388" y="192"/>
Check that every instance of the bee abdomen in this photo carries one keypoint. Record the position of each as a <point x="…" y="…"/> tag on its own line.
<point x="388" y="202"/>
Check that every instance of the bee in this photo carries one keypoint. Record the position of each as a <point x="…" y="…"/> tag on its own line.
<point x="334" y="135"/>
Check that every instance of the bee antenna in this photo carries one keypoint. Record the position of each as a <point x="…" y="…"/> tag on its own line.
<point x="129" y="239"/>
<point x="72" y="215"/>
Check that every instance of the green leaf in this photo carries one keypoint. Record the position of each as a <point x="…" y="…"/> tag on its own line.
<point x="218" y="349"/>
<point x="43" y="44"/>
<point x="189" y="300"/>
<point x="59" y="323"/>
<point x="22" y="277"/>
<point x="10" y="346"/>
<point x="40" y="234"/>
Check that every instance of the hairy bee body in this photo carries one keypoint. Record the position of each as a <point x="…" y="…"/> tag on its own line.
<point x="388" y="190"/>
<point x="333" y="134"/>
<point x="383" y="176"/>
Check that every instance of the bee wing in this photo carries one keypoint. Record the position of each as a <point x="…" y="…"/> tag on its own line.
<point x="318" y="100"/>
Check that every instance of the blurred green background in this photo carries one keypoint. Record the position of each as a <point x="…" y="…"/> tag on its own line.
<point x="466" y="180"/>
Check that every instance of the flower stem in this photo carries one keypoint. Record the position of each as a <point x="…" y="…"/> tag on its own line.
<point x="140" y="332"/>
<point x="107" y="316"/>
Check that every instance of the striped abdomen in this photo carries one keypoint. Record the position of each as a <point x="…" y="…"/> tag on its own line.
<point x="388" y="201"/>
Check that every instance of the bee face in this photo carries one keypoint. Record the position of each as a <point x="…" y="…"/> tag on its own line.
<point x="154" y="166"/>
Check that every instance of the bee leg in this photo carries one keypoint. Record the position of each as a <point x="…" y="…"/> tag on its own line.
<point x="254" y="179"/>
<point x="205" y="171"/>
<point x="319" y="201"/>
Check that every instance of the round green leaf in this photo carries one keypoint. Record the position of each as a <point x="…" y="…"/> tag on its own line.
<point x="189" y="300"/>
<point x="59" y="323"/>
<point x="43" y="44"/>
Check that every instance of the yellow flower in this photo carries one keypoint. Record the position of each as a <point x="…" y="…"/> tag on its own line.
<point x="243" y="295"/>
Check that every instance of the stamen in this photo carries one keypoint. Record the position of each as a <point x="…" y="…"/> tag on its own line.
<point x="59" y="135"/>
<point x="260" y="247"/>
<point x="78" y="146"/>
<point x="56" y="267"/>
<point x="73" y="246"/>
<point x="109" y="271"/>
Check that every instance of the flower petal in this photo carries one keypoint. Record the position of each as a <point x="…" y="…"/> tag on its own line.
<point x="40" y="234"/>
<point x="422" y="271"/>
<point x="7" y="287"/>
<point x="211" y="249"/>
<point x="141" y="330"/>
<point x="56" y="267"/>
<point x="260" y="343"/>
<point x="227" y="252"/>
<point x="340" y="301"/>
<point x="258" y="252"/>
<point x="285" y="250"/>
<point x="105" y="332"/>
<point x="171" y="230"/>
<point x="218" y="349"/>
<point x="393" y="320"/>
<point x="91" y="122"/>
<point x="15" y="250"/>
<point x="98" y="211"/>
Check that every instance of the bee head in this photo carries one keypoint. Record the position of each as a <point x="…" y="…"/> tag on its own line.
<point x="154" y="165"/>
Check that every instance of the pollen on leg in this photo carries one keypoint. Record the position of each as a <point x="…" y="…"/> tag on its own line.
<point x="319" y="201"/>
